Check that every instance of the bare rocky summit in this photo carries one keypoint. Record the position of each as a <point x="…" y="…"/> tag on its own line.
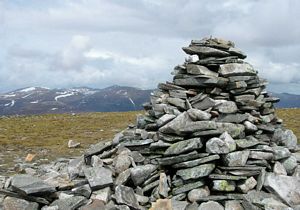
<point x="210" y="140"/>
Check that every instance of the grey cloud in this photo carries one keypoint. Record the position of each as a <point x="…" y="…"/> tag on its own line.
<point x="140" y="40"/>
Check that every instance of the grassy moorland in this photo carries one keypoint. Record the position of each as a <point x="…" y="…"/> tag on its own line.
<point x="47" y="136"/>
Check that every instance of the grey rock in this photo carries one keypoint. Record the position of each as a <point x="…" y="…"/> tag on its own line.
<point x="238" y="52"/>
<point x="192" y="206"/>
<point x="73" y="144"/>
<point x="279" y="169"/>
<point x="226" y="107"/>
<point x="192" y="127"/>
<point x="286" y="187"/>
<point x="196" y="114"/>
<point x="196" y="194"/>
<point x="125" y="195"/>
<point x="227" y="177"/>
<point x="204" y="104"/>
<point x="184" y="146"/>
<point x="246" y="143"/>
<point x="176" y="124"/>
<point x="103" y="194"/>
<point x="177" y="102"/>
<point x="178" y="94"/>
<point x="179" y="158"/>
<point x="11" y="203"/>
<point x="250" y="127"/>
<point x="281" y="153"/>
<point x="198" y="69"/>
<point x="163" y="187"/>
<point x="285" y="138"/>
<point x="236" y="69"/>
<point x="96" y="149"/>
<point x="122" y="162"/>
<point x="247" y="185"/>
<point x="165" y="119"/>
<point x="136" y="143"/>
<point x="142" y="199"/>
<point x="28" y="184"/>
<point x="83" y="190"/>
<point x="217" y="146"/>
<point x="70" y="203"/>
<point x="261" y="155"/>
<point x="234" y="130"/>
<point x="290" y="164"/>
<point x="205" y="51"/>
<point x="233" y="205"/>
<point x="296" y="172"/>
<point x="159" y="145"/>
<point x="229" y="141"/>
<point x="94" y="205"/>
<point x="233" y="118"/>
<point x="271" y="203"/>
<point x="238" y="158"/>
<point x="196" y="162"/>
<point x="140" y="173"/>
<point x="210" y="205"/>
<point x="196" y="172"/>
<point x="187" y="187"/>
<point x="179" y="205"/>
<point x="123" y="177"/>
<point x="223" y="185"/>
<point x="98" y="177"/>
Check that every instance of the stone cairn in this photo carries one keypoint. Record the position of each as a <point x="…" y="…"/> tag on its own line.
<point x="209" y="140"/>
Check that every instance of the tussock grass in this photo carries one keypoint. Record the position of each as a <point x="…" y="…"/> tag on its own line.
<point x="47" y="135"/>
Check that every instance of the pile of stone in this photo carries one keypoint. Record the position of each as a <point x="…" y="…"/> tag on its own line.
<point x="209" y="140"/>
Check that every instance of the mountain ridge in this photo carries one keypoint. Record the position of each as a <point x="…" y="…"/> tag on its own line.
<point x="42" y="100"/>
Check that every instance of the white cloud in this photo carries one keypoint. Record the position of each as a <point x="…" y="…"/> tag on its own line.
<point x="100" y="43"/>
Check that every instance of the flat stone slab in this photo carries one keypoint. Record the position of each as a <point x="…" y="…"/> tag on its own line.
<point x="226" y="177"/>
<point x="192" y="163"/>
<point x="28" y="184"/>
<point x="196" y="172"/>
<point x="98" y="177"/>
<point x="187" y="187"/>
<point x="237" y="69"/>
<point x="70" y="203"/>
<point x="140" y="173"/>
<point x="184" y="146"/>
<point x="179" y="158"/>
<point x="206" y="51"/>
<point x="125" y="195"/>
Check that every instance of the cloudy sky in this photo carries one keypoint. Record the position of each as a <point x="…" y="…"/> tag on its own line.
<point x="98" y="43"/>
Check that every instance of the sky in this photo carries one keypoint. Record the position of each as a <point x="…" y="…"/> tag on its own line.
<point x="99" y="43"/>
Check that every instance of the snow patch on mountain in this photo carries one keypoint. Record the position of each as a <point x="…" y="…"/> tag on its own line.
<point x="131" y="101"/>
<point x="11" y="104"/>
<point x="64" y="95"/>
<point x="34" y="102"/>
<point x="29" y="89"/>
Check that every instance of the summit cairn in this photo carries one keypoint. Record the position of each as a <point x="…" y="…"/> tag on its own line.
<point x="209" y="140"/>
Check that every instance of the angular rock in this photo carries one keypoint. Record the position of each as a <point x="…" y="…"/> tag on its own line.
<point x="261" y="155"/>
<point x="285" y="138"/>
<point x="178" y="205"/>
<point x="165" y="119"/>
<point x="125" y="195"/>
<point x="227" y="107"/>
<point x="247" y="185"/>
<point x="217" y="146"/>
<point x="223" y="185"/>
<point x="176" y="124"/>
<point x="279" y="169"/>
<point x="177" y="102"/>
<point x="196" y="114"/>
<point x="238" y="158"/>
<point x="163" y="188"/>
<point x="122" y="162"/>
<point x="289" y="164"/>
<point x="196" y="194"/>
<point x="233" y="205"/>
<point x="233" y="118"/>
<point x="83" y="190"/>
<point x="187" y="187"/>
<point x="196" y="162"/>
<point x="286" y="187"/>
<point x="250" y="127"/>
<point x="236" y="69"/>
<point x="140" y="173"/>
<point x="204" y="104"/>
<point x="103" y="194"/>
<point x="234" y="130"/>
<point x="204" y="51"/>
<point x="229" y="141"/>
<point x="18" y="204"/>
<point x="196" y="172"/>
<point x="211" y="205"/>
<point x="28" y="185"/>
<point x="71" y="203"/>
<point x="162" y="204"/>
<point x="123" y="177"/>
<point x="184" y="146"/>
<point x="281" y="153"/>
<point x="98" y="177"/>
<point x="198" y="69"/>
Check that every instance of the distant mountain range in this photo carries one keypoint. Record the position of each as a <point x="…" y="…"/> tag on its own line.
<point x="40" y="100"/>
